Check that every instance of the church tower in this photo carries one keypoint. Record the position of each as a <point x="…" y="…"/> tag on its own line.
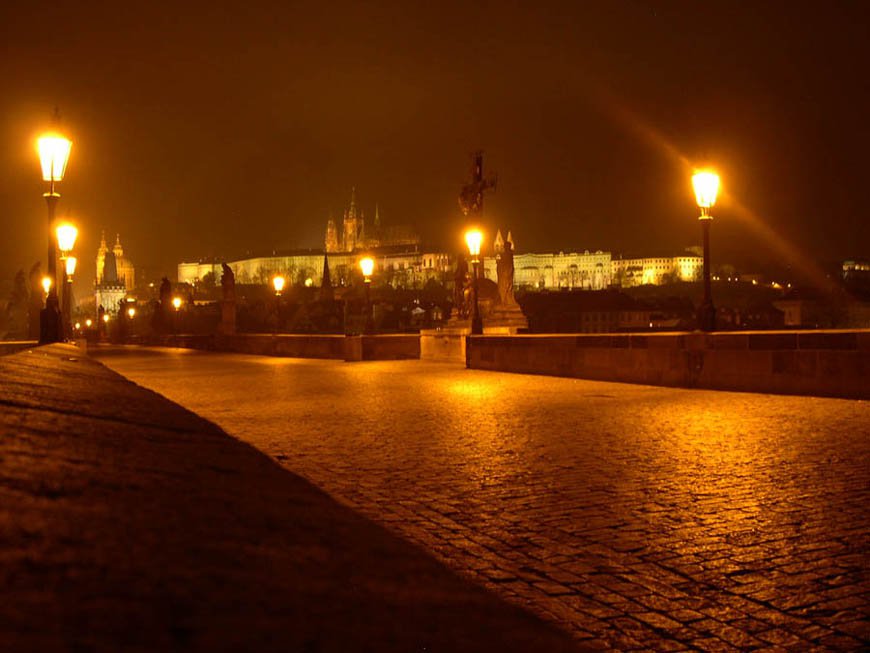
<point x="101" y="258"/>
<point x="331" y="244"/>
<point x="498" y="245"/>
<point x="354" y="226"/>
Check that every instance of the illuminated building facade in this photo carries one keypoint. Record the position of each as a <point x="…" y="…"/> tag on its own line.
<point x="397" y="266"/>
<point x="630" y="272"/>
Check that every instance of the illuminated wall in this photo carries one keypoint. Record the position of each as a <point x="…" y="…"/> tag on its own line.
<point x="400" y="269"/>
<point x="586" y="271"/>
<point x="630" y="272"/>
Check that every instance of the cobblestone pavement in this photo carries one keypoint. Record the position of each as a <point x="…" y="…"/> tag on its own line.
<point x="636" y="517"/>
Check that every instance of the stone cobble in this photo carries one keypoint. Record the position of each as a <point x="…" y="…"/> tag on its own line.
<point x="635" y="517"/>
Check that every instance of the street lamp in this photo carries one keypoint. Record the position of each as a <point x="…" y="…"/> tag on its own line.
<point x="473" y="238"/>
<point x="69" y="270"/>
<point x="46" y="285"/>
<point x="706" y="184"/>
<point x="278" y="284"/>
<point x="131" y="312"/>
<point x="176" y="303"/>
<point x="367" y="266"/>
<point x="66" y="239"/>
<point x="53" y="156"/>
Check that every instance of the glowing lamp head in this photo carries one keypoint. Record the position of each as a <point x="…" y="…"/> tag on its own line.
<point x="473" y="238"/>
<point x="131" y="312"/>
<point x="46" y="284"/>
<point x="278" y="283"/>
<point x="105" y="317"/>
<point x="53" y="155"/>
<point x="66" y="237"/>
<point x="89" y="323"/>
<point x="71" y="265"/>
<point x="706" y="184"/>
<point x="78" y="326"/>
<point x="367" y="266"/>
<point x="176" y="302"/>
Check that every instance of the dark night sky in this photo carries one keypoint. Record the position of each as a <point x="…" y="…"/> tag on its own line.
<point x="207" y="129"/>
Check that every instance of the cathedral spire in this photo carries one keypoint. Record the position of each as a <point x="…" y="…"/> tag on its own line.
<point x="327" y="294"/>
<point x="498" y="245"/>
<point x="377" y="217"/>
<point x="510" y="239"/>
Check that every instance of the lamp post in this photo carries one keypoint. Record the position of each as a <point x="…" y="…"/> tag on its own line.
<point x="278" y="282"/>
<point x="706" y="185"/>
<point x="176" y="304"/>
<point x="367" y="266"/>
<point x="473" y="238"/>
<point x="66" y="239"/>
<point x="70" y="270"/>
<point x="53" y="156"/>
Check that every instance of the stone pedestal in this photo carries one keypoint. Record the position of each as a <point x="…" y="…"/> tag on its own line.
<point x="446" y="344"/>
<point x="227" y="326"/>
<point x="505" y="319"/>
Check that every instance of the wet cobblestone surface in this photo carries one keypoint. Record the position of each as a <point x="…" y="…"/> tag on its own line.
<point x="635" y="517"/>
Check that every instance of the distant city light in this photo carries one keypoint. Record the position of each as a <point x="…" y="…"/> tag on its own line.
<point x="89" y="322"/>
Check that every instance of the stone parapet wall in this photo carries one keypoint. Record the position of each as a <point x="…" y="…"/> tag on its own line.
<point x="338" y="347"/>
<point x="820" y="363"/>
<point x="11" y="346"/>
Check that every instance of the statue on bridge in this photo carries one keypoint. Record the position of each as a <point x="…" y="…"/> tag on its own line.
<point x="507" y="316"/>
<point x="228" y="304"/>
<point x="460" y="281"/>
<point x="505" y="270"/>
<point x="228" y="282"/>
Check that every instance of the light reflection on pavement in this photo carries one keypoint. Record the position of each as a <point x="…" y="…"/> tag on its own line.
<point x="634" y="516"/>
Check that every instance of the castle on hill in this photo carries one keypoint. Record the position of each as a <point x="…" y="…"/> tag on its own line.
<point x="351" y="236"/>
